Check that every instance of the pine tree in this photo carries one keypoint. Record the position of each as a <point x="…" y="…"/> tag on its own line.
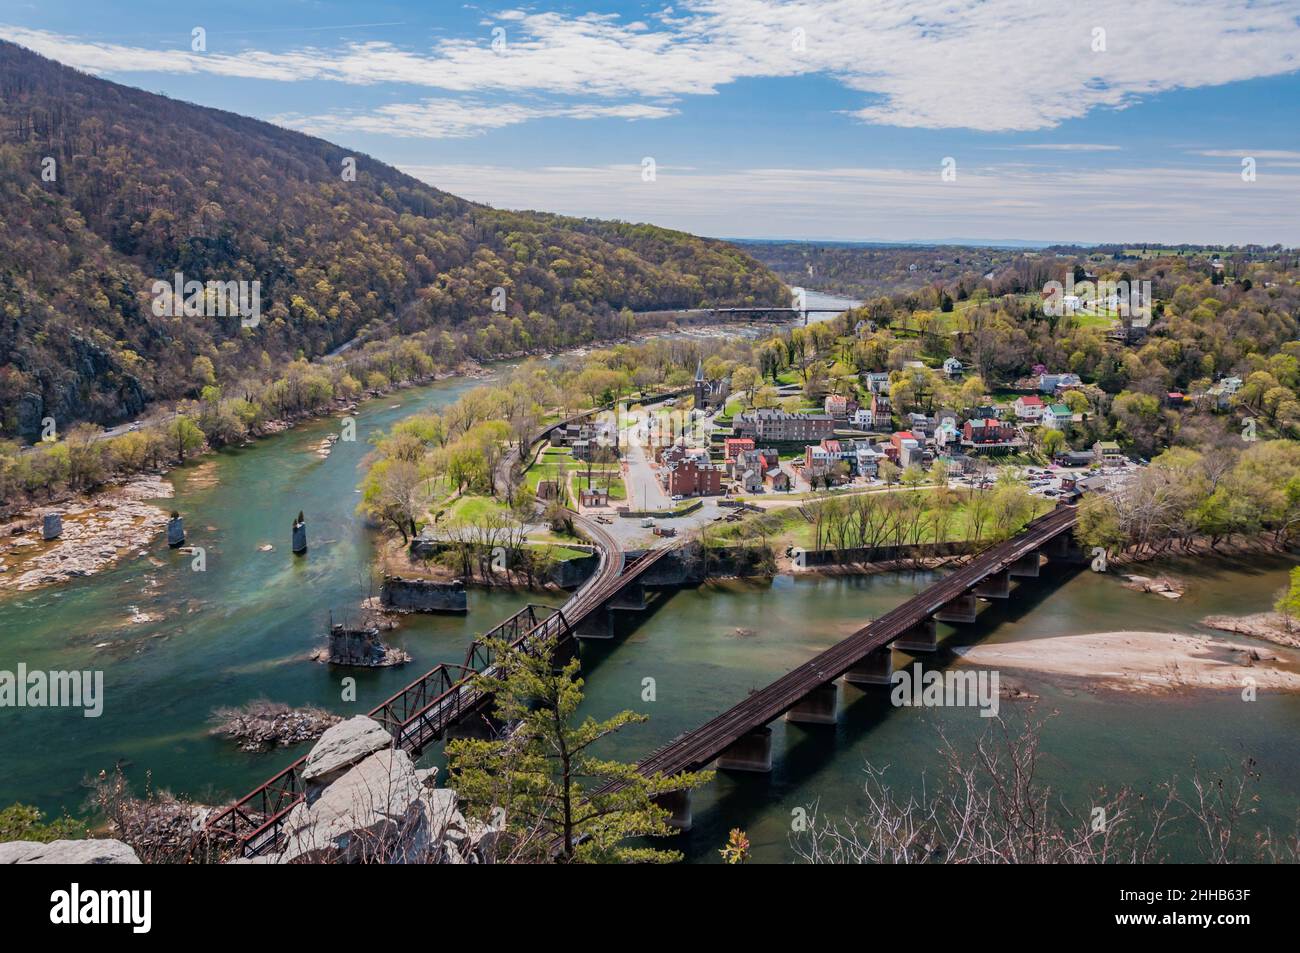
<point x="540" y="777"/>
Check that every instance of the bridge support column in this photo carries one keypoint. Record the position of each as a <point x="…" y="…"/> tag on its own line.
<point x="598" y="624"/>
<point x="753" y="752"/>
<point x="962" y="609"/>
<point x="631" y="599"/>
<point x="922" y="637"/>
<point x="996" y="586"/>
<point x="1026" y="567"/>
<point x="821" y="706"/>
<point x="876" y="667"/>
<point x="678" y="806"/>
<point x="1064" y="548"/>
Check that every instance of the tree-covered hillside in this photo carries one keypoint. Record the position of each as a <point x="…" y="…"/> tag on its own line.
<point x="141" y="186"/>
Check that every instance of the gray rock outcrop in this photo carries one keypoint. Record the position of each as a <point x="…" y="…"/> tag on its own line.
<point x="342" y="746"/>
<point x="91" y="851"/>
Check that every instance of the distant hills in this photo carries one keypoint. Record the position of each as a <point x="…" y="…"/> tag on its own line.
<point x="105" y="190"/>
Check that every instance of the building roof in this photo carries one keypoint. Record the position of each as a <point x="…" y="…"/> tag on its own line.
<point x="1030" y="400"/>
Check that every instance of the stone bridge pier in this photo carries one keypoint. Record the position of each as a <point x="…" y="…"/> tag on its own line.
<point x="875" y="668"/>
<point x="996" y="586"/>
<point x="922" y="637"/>
<point x="821" y="706"/>
<point x="1026" y="567"/>
<point x="1064" y="548"/>
<point x="961" y="610"/>
<point x="753" y="752"/>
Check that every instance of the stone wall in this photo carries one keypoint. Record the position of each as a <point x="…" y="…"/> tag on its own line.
<point x="423" y="595"/>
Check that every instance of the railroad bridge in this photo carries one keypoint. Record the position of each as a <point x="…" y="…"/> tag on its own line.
<point x="740" y="740"/>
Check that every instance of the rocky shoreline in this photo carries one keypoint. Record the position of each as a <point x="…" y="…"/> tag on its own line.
<point x="1268" y="626"/>
<point x="98" y="531"/>
<point x="261" y="725"/>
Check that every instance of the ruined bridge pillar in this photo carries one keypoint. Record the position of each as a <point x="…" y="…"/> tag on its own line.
<point x="960" y="610"/>
<point x="821" y="706"/>
<point x="922" y="637"/>
<point x="752" y="752"/>
<point x="875" y="668"/>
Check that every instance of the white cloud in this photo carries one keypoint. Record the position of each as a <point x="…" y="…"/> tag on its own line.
<point x="996" y="65"/>
<point x="1173" y="204"/>
<point x="1071" y="147"/>
<point x="456" y="119"/>
<point x="1254" y="153"/>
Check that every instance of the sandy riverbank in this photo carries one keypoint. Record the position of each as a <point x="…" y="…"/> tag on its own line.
<point x="1147" y="662"/>
<point x="97" y="532"/>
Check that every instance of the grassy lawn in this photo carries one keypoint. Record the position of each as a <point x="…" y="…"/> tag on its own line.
<point x="617" y="490"/>
<point x="471" y="509"/>
<point x="787" y="527"/>
<point x="548" y="466"/>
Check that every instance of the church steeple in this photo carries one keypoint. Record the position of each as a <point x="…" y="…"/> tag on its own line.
<point x="699" y="370"/>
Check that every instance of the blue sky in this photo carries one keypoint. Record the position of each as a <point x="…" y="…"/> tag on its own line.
<point x="818" y="119"/>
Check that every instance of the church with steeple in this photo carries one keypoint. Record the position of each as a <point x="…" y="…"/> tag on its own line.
<point x="709" y="394"/>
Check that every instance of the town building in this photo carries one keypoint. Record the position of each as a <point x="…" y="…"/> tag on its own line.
<point x="986" y="436"/>
<point x="863" y="418"/>
<point x="710" y="394"/>
<point x="1107" y="451"/>
<point x="1051" y="383"/>
<point x="777" y="426"/>
<point x="691" y="476"/>
<point x="840" y="406"/>
<point x="882" y="410"/>
<point x="735" y="445"/>
<point x="1029" y="407"/>
<point x="1058" y="417"/>
<point x="953" y="368"/>
<point x="877" y="382"/>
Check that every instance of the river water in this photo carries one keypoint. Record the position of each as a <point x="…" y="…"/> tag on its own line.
<point x="242" y="630"/>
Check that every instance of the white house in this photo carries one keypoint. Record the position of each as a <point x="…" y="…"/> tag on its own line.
<point x="1029" y="407"/>
<point x="863" y="418"/>
<point x="1051" y="383"/>
<point x="952" y="367"/>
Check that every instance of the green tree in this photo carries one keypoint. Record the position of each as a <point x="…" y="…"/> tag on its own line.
<point x="24" y="822"/>
<point x="1288" y="604"/>
<point x="184" y="436"/>
<point x="542" y="779"/>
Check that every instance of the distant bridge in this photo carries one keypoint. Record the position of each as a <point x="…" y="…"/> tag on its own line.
<point x="754" y="312"/>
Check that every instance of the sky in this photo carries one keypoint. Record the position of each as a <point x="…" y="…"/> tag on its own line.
<point x="1163" y="121"/>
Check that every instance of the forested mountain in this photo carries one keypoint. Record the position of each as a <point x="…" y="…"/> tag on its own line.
<point x="141" y="186"/>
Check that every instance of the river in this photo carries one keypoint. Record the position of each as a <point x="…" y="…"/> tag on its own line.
<point x="241" y="631"/>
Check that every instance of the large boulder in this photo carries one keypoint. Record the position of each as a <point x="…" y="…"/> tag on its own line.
<point x="342" y="746"/>
<point x="374" y="812"/>
<point x="92" y="851"/>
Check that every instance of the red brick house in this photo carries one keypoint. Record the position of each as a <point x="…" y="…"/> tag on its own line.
<point x="691" y="476"/>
